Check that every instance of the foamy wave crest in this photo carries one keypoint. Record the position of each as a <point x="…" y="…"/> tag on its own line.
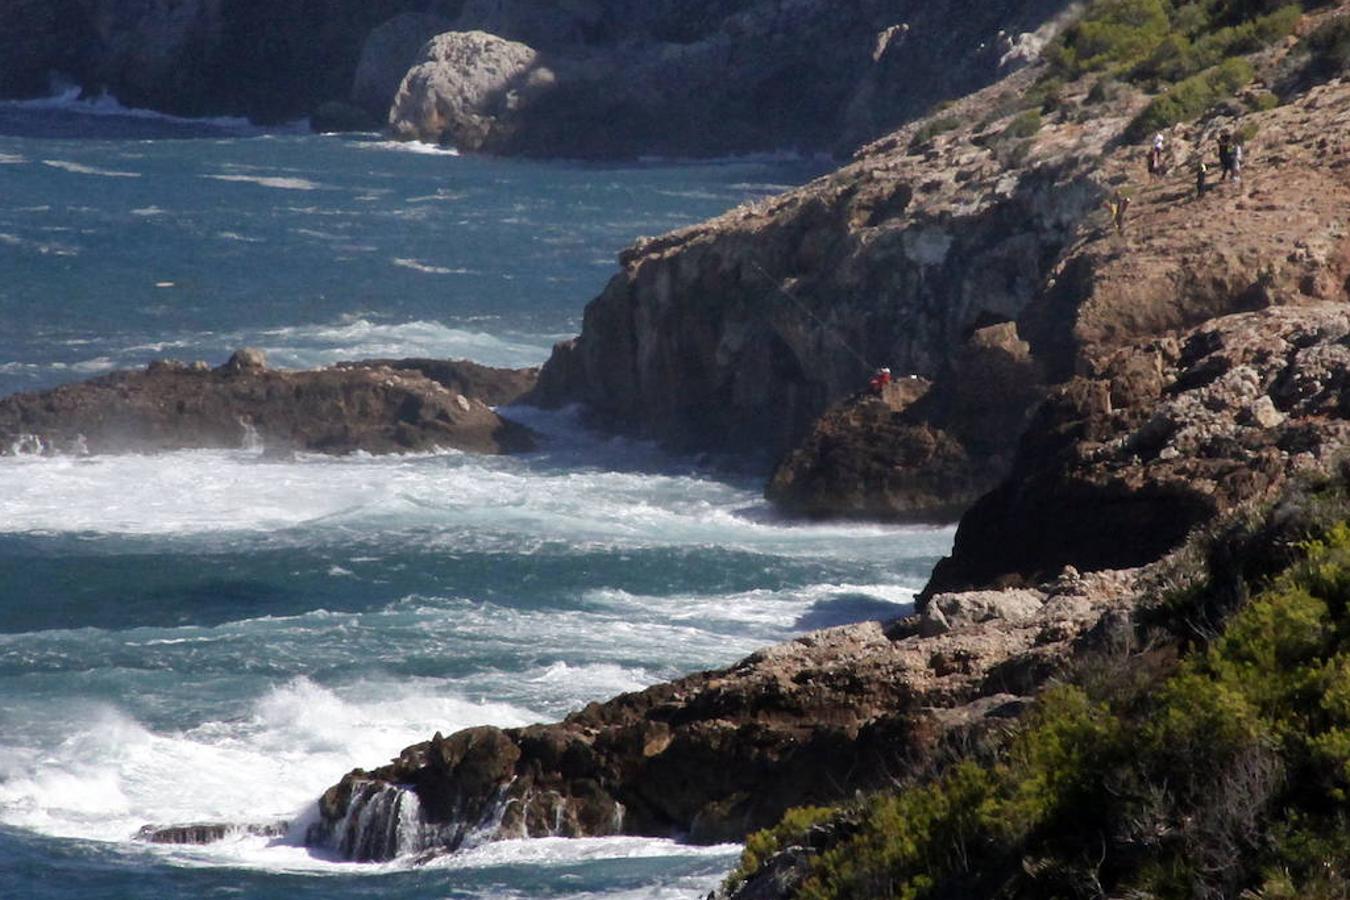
<point x="81" y="169"/>
<point x="46" y="248"/>
<point x="72" y="100"/>
<point x="417" y="147"/>
<point x="11" y="159"/>
<point x="112" y="775"/>
<point x="285" y="183"/>
<point x="359" y="338"/>
<point x="474" y="500"/>
<point x="429" y="269"/>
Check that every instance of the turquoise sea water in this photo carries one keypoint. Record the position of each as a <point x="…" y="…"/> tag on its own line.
<point x="218" y="636"/>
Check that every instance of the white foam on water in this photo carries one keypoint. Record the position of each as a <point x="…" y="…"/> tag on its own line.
<point x="12" y="159"/>
<point x="361" y="338"/>
<point x="148" y="211"/>
<point x="429" y="269"/>
<point x="419" y="147"/>
<point x="81" y="169"/>
<point x="72" y="100"/>
<point x="111" y="775"/>
<point x="43" y="247"/>
<point x="475" y="501"/>
<point x="285" y="183"/>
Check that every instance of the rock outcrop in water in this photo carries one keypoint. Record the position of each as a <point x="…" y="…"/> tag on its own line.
<point x="469" y="89"/>
<point x="378" y="407"/>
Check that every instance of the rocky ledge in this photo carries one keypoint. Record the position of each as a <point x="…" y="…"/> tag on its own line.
<point x="378" y="407"/>
<point x="716" y="754"/>
<point x="1159" y="437"/>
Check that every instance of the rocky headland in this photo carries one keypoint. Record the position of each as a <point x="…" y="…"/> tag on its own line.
<point x="1118" y="383"/>
<point x="595" y="78"/>
<point x="386" y="406"/>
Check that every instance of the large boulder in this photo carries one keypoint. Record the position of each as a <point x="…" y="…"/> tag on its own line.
<point x="469" y="89"/>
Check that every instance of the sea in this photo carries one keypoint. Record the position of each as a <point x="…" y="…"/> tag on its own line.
<point x="217" y="636"/>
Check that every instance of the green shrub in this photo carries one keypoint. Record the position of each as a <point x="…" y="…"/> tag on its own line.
<point x="1264" y="102"/>
<point x="1231" y="773"/>
<point x="762" y="845"/>
<point x="1025" y="125"/>
<point x="1112" y="33"/>
<point x="932" y="128"/>
<point x="1162" y="41"/>
<point x="1192" y="97"/>
<point x="1330" y="48"/>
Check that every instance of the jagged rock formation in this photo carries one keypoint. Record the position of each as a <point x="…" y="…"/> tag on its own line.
<point x="375" y="407"/>
<point x="1159" y="437"/>
<point x="674" y="77"/>
<point x="914" y="452"/>
<point x="470" y="89"/>
<point x="716" y="754"/>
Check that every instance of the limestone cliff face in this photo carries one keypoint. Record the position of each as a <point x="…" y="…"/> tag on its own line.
<point x="737" y="334"/>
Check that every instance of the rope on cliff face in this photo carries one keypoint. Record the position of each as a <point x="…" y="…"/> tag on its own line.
<point x="824" y="326"/>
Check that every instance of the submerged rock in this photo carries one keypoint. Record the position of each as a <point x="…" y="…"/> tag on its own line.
<point x="374" y="407"/>
<point x="209" y="832"/>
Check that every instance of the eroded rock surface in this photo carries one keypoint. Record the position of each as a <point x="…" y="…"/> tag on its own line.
<point x="469" y="89"/>
<point x="716" y="754"/>
<point x="1121" y="463"/>
<point x="376" y="407"/>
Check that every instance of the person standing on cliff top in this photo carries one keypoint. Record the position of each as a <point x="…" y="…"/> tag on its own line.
<point x="1155" y="156"/>
<point x="1225" y="156"/>
<point x="879" y="380"/>
<point x="1116" y="205"/>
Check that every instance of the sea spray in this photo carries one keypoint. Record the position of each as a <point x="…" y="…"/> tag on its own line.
<point x="385" y="821"/>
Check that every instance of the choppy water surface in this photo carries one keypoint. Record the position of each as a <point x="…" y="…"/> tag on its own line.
<point x="218" y="636"/>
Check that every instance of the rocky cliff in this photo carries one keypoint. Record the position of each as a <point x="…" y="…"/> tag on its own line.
<point x="636" y="77"/>
<point x="398" y="406"/>
<point x="740" y="333"/>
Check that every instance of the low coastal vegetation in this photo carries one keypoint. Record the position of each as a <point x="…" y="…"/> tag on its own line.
<point x="1189" y="55"/>
<point x="1210" y="760"/>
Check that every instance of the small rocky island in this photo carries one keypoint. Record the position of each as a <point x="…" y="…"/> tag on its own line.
<point x="387" y="406"/>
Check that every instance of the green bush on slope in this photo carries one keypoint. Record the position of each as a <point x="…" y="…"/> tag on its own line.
<point x="1153" y="41"/>
<point x="1225" y="771"/>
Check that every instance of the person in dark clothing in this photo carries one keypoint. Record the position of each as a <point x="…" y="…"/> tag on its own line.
<point x="1225" y="156"/>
